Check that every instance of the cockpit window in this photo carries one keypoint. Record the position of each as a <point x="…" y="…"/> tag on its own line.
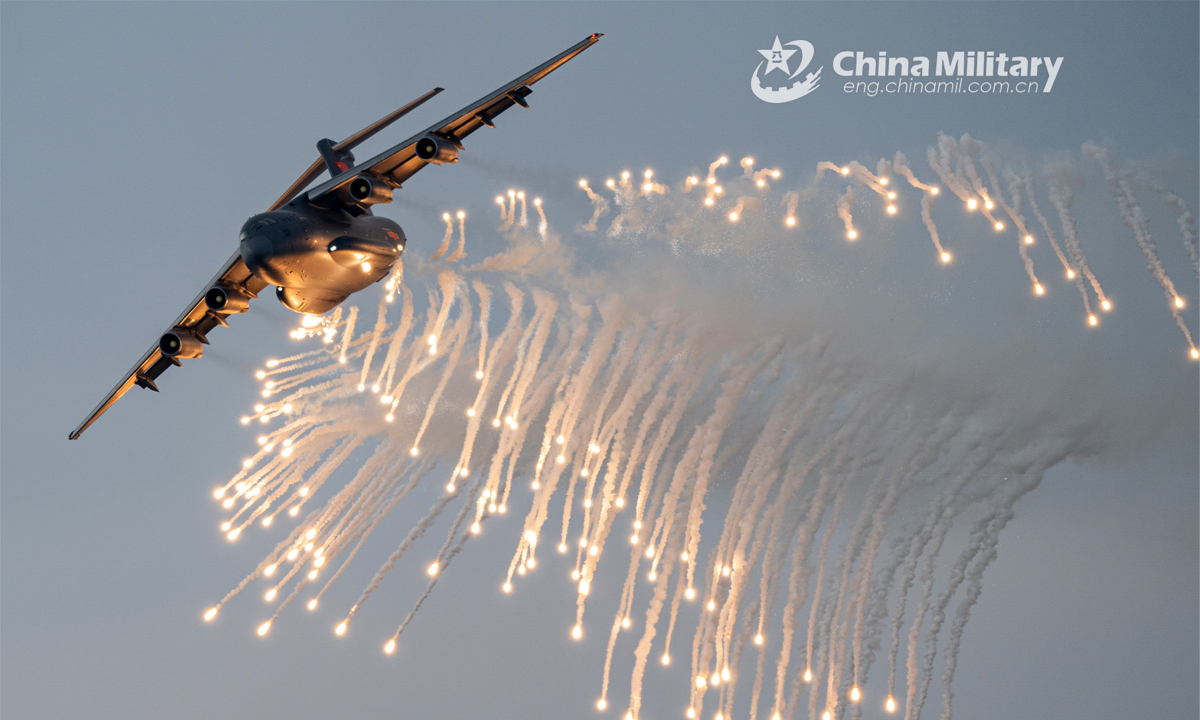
<point x="254" y="227"/>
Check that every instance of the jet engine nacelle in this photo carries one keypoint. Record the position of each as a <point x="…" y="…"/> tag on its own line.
<point x="180" y="343"/>
<point x="436" y="150"/>
<point x="226" y="300"/>
<point x="369" y="191"/>
<point x="309" y="301"/>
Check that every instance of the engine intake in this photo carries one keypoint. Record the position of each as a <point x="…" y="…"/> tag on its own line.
<point x="369" y="191"/>
<point x="180" y="343"/>
<point x="226" y="300"/>
<point x="436" y="150"/>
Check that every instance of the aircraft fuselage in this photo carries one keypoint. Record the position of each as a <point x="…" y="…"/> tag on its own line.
<point x="317" y="257"/>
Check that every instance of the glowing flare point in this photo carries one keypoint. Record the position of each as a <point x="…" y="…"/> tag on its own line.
<point x="212" y="613"/>
<point x="891" y="704"/>
<point x="758" y="639"/>
<point x="807" y="674"/>
<point x="390" y="647"/>
<point x="262" y="629"/>
<point x="855" y="695"/>
<point x="601" y="704"/>
<point x="577" y="632"/>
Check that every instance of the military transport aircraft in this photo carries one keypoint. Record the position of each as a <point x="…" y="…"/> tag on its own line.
<point x="320" y="246"/>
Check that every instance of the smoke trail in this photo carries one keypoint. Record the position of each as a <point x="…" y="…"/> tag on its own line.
<point x="444" y="557"/>
<point x="791" y="200"/>
<point x="445" y="246"/>
<point x="461" y="252"/>
<point x="542" y="224"/>
<point x="347" y="333"/>
<point x="1027" y="181"/>
<point x="1136" y="221"/>
<point x="1063" y="197"/>
<point x="969" y="147"/>
<point x="485" y="308"/>
<point x="900" y="165"/>
<point x="1187" y="223"/>
<point x="743" y="204"/>
<point x="509" y="216"/>
<point x="380" y="324"/>
<point x="844" y="203"/>
<point x="941" y="161"/>
<point x="415" y="534"/>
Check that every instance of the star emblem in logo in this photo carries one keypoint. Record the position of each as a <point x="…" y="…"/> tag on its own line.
<point x="777" y="57"/>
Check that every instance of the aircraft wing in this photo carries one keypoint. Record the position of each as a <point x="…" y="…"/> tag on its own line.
<point x="401" y="162"/>
<point x="197" y="318"/>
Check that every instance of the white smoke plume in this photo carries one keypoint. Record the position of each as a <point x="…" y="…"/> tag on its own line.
<point x="819" y="459"/>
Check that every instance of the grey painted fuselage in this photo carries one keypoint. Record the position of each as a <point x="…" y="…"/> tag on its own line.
<point x="317" y="257"/>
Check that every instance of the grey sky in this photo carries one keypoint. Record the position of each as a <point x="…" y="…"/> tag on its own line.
<point x="137" y="137"/>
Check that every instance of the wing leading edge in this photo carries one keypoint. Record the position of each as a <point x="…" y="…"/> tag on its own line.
<point x="401" y="162"/>
<point x="198" y="320"/>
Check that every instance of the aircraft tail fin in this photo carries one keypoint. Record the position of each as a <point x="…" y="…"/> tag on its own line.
<point x="333" y="155"/>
